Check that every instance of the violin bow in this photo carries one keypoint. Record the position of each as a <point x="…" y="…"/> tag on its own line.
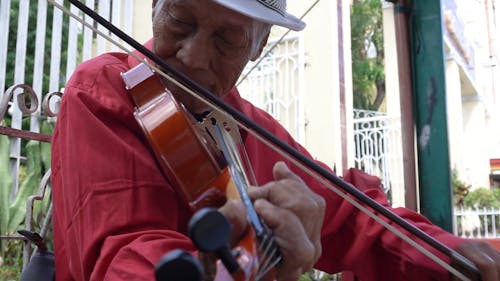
<point x="324" y="176"/>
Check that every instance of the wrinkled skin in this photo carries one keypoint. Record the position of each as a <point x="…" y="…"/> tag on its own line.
<point x="485" y="257"/>
<point x="213" y="50"/>
<point x="293" y="212"/>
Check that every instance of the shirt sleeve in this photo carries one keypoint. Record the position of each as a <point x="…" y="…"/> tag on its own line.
<point x="115" y="215"/>
<point x="351" y="240"/>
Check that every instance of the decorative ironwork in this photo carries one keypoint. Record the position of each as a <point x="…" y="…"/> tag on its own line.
<point x="42" y="192"/>
<point x="48" y="100"/>
<point x="28" y="104"/>
<point x="378" y="151"/>
<point x="276" y="84"/>
<point x="31" y="107"/>
<point x="21" y="100"/>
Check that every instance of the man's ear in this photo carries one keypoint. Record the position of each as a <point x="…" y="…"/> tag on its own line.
<point x="262" y="45"/>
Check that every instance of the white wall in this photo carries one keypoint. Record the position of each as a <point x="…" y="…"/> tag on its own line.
<point x="142" y="28"/>
<point x="475" y="151"/>
<point x="454" y="115"/>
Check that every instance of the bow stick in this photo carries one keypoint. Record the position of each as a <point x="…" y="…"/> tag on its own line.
<point x="308" y="165"/>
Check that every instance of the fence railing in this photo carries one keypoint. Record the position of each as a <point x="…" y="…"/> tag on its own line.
<point x="42" y="47"/>
<point x="276" y="84"/>
<point x="477" y="223"/>
<point x="378" y="150"/>
<point x="39" y="50"/>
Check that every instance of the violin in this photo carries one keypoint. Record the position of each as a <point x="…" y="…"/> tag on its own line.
<point x="205" y="178"/>
<point x="198" y="196"/>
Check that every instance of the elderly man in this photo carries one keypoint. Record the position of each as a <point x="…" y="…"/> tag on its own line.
<point x="115" y="215"/>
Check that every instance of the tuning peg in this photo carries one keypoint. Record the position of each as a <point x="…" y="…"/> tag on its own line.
<point x="210" y="232"/>
<point x="178" y="265"/>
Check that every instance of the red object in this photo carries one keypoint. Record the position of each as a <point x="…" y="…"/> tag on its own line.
<point x="188" y="158"/>
<point x="115" y="214"/>
<point x="495" y="164"/>
<point x="494" y="242"/>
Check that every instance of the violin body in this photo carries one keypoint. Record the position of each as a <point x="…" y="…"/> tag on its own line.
<point x="177" y="142"/>
<point x="189" y="159"/>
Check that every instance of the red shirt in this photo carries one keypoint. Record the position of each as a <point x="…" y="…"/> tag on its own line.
<point x="115" y="215"/>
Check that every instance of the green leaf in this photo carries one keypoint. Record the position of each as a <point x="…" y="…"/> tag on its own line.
<point x="367" y="53"/>
<point x="27" y="188"/>
<point x="5" y="183"/>
<point x="46" y="128"/>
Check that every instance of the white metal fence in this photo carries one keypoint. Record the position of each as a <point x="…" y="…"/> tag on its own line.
<point x="477" y="223"/>
<point x="277" y="83"/>
<point x="37" y="27"/>
<point x="378" y="150"/>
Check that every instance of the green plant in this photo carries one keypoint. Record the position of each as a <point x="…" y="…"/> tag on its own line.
<point x="460" y="189"/>
<point x="482" y="198"/>
<point x="367" y="42"/>
<point x="13" y="212"/>
<point x="31" y="39"/>
<point x="12" y="261"/>
<point x="10" y="251"/>
<point x="316" y="275"/>
<point x="466" y="197"/>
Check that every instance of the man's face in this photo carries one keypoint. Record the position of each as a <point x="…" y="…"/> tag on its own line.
<point x="205" y="41"/>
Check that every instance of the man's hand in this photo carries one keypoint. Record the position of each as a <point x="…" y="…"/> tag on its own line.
<point x="484" y="256"/>
<point x="295" y="214"/>
<point x="297" y="250"/>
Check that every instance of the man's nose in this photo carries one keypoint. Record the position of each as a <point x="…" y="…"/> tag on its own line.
<point x="195" y="52"/>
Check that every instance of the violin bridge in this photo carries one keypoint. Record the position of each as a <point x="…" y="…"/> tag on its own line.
<point x="226" y="121"/>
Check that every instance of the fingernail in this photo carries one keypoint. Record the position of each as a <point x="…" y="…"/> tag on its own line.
<point x="282" y="165"/>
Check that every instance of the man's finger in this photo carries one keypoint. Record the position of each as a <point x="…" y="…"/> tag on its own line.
<point x="235" y="213"/>
<point x="484" y="257"/>
<point x="290" y="235"/>
<point x="281" y="171"/>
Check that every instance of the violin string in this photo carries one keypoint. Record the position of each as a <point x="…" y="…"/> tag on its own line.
<point x="226" y="144"/>
<point x="262" y="272"/>
<point x="266" y="242"/>
<point x="230" y="124"/>
<point x="266" y="257"/>
<point x="299" y="164"/>
<point x="270" y="260"/>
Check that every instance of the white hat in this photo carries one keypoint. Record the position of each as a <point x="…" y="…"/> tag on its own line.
<point x="268" y="11"/>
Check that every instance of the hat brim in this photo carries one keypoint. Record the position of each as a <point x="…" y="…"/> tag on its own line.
<point x="255" y="10"/>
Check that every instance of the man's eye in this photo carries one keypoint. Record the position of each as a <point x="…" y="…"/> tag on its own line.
<point x="232" y="41"/>
<point x="180" y="24"/>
